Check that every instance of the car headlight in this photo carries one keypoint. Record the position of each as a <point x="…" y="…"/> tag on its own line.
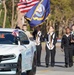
<point x="7" y="57"/>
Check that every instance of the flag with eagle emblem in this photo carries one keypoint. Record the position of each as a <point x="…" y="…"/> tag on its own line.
<point x="38" y="13"/>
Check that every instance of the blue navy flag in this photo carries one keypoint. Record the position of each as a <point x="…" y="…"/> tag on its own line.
<point x="38" y="13"/>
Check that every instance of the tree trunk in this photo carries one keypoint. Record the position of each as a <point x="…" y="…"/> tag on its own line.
<point x="12" y="22"/>
<point x="67" y="21"/>
<point x="0" y="12"/>
<point x="5" y="14"/>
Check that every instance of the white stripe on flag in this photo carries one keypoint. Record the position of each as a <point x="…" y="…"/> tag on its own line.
<point x="21" y="6"/>
<point x="26" y="5"/>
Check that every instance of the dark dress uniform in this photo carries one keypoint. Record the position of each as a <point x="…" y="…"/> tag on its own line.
<point x="50" y="51"/>
<point x="39" y="48"/>
<point x="72" y="43"/>
<point x="66" y="45"/>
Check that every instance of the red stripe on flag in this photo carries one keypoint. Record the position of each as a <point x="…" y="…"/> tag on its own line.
<point x="26" y="6"/>
<point x="22" y="0"/>
<point x="20" y="3"/>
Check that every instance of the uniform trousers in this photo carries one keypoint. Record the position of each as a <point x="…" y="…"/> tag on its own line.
<point x="39" y="48"/>
<point x="52" y="53"/>
<point x="68" y="56"/>
<point x="73" y="49"/>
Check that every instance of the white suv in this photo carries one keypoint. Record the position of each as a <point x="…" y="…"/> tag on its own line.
<point x="16" y="52"/>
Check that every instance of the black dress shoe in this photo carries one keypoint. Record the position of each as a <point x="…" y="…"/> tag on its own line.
<point x="70" y="64"/>
<point x="47" y="66"/>
<point x="38" y="65"/>
<point x="66" y="66"/>
<point x="52" y="65"/>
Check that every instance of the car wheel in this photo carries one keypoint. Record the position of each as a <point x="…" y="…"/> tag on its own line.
<point x="30" y="72"/>
<point x="34" y="63"/>
<point x="34" y="70"/>
<point x="18" y="70"/>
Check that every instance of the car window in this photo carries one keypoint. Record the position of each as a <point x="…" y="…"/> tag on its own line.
<point x="23" y="36"/>
<point x="7" y="38"/>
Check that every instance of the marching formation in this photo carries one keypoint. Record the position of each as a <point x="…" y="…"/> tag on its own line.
<point x="67" y="45"/>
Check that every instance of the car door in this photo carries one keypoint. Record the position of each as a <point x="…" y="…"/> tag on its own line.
<point x="27" y="55"/>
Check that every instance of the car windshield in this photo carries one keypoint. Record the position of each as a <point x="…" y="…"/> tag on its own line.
<point x="7" y="38"/>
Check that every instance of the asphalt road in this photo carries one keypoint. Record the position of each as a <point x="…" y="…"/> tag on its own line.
<point x="58" y="69"/>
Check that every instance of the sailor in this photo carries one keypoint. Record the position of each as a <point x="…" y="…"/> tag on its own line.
<point x="50" y="46"/>
<point x="38" y="46"/>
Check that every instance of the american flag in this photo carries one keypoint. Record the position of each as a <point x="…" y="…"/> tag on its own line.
<point x="25" y="5"/>
<point x="22" y="0"/>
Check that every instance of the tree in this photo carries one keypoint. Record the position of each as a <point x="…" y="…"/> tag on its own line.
<point x="5" y="14"/>
<point x="61" y="13"/>
<point x="12" y="13"/>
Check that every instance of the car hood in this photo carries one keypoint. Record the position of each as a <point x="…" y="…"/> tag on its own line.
<point x="9" y="49"/>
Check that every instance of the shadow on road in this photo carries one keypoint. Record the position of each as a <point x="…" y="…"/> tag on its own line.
<point x="57" y="64"/>
<point x="42" y="66"/>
